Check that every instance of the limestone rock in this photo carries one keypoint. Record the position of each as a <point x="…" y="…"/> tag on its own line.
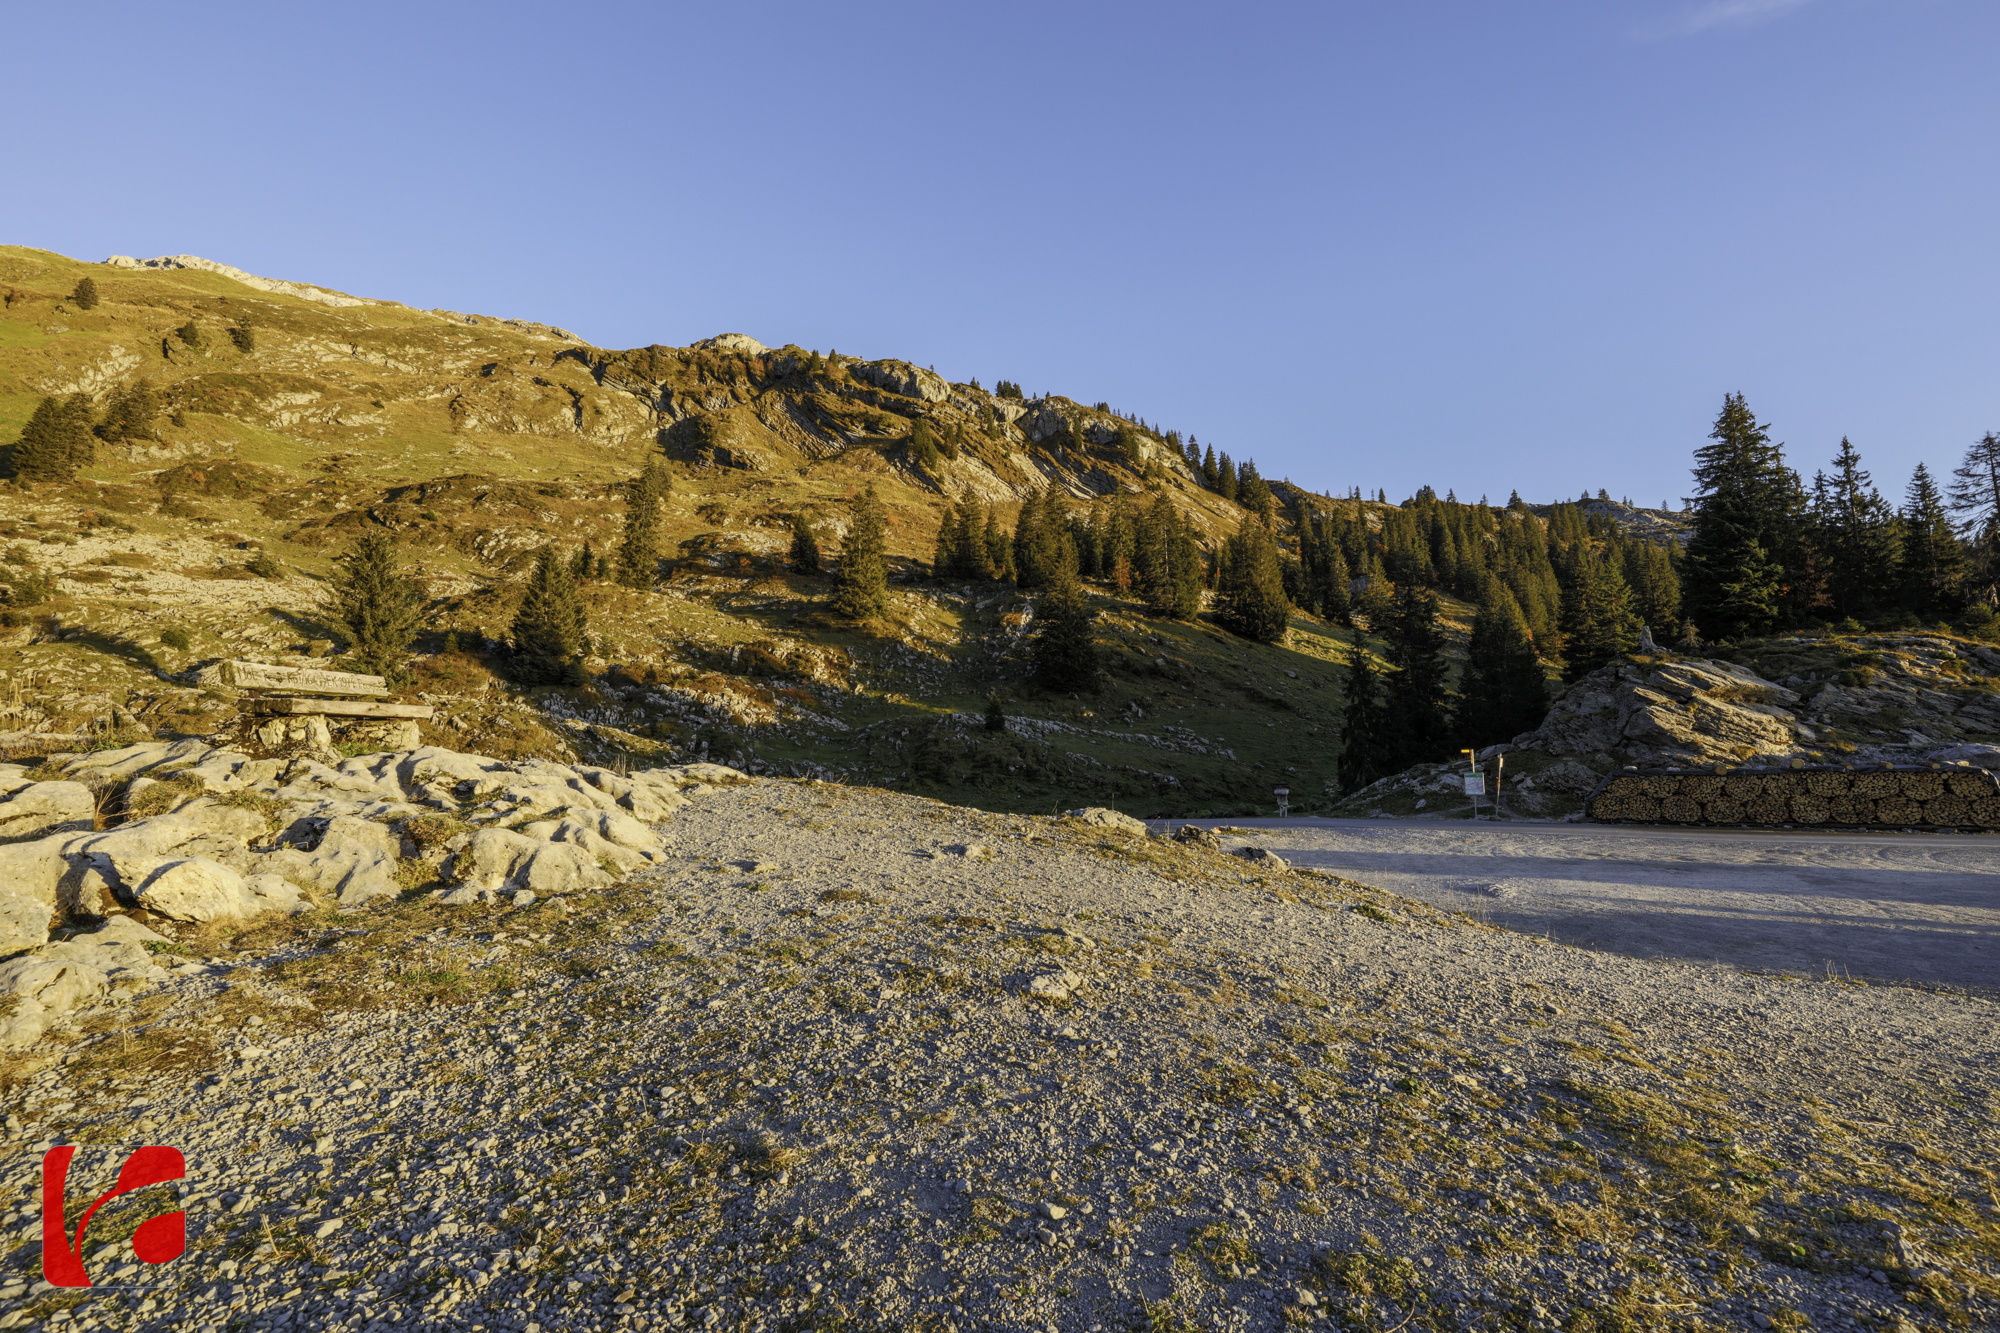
<point x="730" y="342"/>
<point x="42" y="808"/>
<point x="197" y="889"/>
<point x="353" y="861"/>
<point x="275" y="893"/>
<point x="501" y="859"/>
<point x="34" y="871"/>
<point x="1978" y="755"/>
<point x="1567" y="778"/>
<point x="105" y="768"/>
<point x="1195" y="836"/>
<point x="24" y="922"/>
<point x="1115" y="820"/>
<point x="46" y="988"/>
<point x="1054" y="985"/>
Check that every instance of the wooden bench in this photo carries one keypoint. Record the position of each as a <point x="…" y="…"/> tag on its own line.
<point x="307" y="689"/>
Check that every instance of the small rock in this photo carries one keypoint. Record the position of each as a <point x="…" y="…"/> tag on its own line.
<point x="1054" y="1212"/>
<point x="327" y="1228"/>
<point x="971" y="851"/>
<point x="1116" y="820"/>
<point x="1262" y="858"/>
<point x="1054" y="985"/>
<point x="1195" y="836"/>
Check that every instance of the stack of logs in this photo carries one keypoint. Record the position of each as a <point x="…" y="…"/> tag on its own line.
<point x="1967" y="798"/>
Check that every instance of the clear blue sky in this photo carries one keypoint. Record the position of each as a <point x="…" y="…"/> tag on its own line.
<point x="1482" y="245"/>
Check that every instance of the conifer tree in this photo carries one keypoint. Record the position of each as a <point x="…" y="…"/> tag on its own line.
<point x="999" y="551"/>
<point x="1225" y="484"/>
<point x="1506" y="690"/>
<point x="1934" y="571"/>
<point x="861" y="587"/>
<point x="1417" y="691"/>
<point x="1858" y="539"/>
<point x="1064" y="651"/>
<point x="1250" y="590"/>
<point x="805" y="556"/>
<point x="130" y="413"/>
<point x="1037" y="538"/>
<point x="243" y="336"/>
<point x="1599" y="625"/>
<point x="639" y="548"/>
<point x="1171" y="567"/>
<point x="55" y="442"/>
<point x="550" y="629"/>
<point x="1365" y="744"/>
<point x="1748" y="512"/>
<point x="373" y="599"/>
<point x="1975" y="495"/>
<point x="924" y="451"/>
<point x="85" y="295"/>
<point x="1211" y="473"/>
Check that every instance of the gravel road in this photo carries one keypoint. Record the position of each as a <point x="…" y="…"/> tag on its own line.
<point x="1920" y="908"/>
<point x="855" y="1060"/>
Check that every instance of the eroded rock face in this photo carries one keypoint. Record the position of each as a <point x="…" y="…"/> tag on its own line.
<point x="1686" y="712"/>
<point x="900" y="377"/>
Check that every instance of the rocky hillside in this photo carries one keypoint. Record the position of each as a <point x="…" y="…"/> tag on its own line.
<point x="292" y="418"/>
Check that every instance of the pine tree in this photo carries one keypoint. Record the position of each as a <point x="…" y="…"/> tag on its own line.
<point x="1065" y="654"/>
<point x="55" y="442"/>
<point x="550" y="630"/>
<point x="1211" y="473"/>
<point x="1226" y="482"/>
<point x="639" y="548"/>
<point x="1171" y="571"/>
<point x="1365" y="744"/>
<point x="1506" y="690"/>
<point x="1934" y="569"/>
<point x="85" y="295"/>
<point x="375" y="601"/>
<point x="1037" y="537"/>
<point x="861" y="587"/>
<point x="805" y="557"/>
<point x="1250" y="590"/>
<point x="1417" y="694"/>
<point x="1748" y="513"/>
<point x="999" y="551"/>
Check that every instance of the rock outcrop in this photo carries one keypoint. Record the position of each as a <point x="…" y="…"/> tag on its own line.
<point x="233" y="837"/>
<point x="1688" y="712"/>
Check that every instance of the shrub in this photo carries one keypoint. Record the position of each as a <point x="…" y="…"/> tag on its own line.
<point x="85" y="295"/>
<point x="30" y="587"/>
<point x="177" y="639"/>
<point x="245" y="340"/>
<point x="189" y="333"/>
<point x="266" y="566"/>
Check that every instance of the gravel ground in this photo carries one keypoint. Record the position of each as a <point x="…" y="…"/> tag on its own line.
<point x="1918" y="908"/>
<point x="856" y="1060"/>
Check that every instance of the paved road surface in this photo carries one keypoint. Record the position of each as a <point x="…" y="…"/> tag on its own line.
<point x="1922" y="908"/>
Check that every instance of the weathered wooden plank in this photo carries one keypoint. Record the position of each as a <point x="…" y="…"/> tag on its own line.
<point x="308" y="680"/>
<point x="342" y="708"/>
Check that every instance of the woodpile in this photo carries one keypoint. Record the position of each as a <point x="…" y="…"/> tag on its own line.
<point x="1899" y="797"/>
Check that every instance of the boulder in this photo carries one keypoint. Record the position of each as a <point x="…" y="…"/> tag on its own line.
<point x="354" y="862"/>
<point x="34" y="871"/>
<point x="105" y="768"/>
<point x="126" y="965"/>
<point x="1054" y="985"/>
<point x="197" y="889"/>
<point x="275" y="893"/>
<point x="501" y="859"/>
<point x="42" y="808"/>
<point x="1117" y="821"/>
<point x="1195" y="836"/>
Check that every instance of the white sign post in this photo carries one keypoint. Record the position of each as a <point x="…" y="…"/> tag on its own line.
<point x="1284" y="795"/>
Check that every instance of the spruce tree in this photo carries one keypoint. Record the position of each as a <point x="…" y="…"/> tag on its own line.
<point x="1225" y="478"/>
<point x="130" y="413"/>
<point x="1365" y="743"/>
<point x="805" y="556"/>
<point x="1975" y="495"/>
<point x="1858" y="539"/>
<point x="243" y="336"/>
<point x="1065" y="653"/>
<point x="639" y="548"/>
<point x="550" y="631"/>
<point x="55" y="442"/>
<point x="1599" y="623"/>
<point x="861" y="587"/>
<point x="1934" y="570"/>
<point x="1250" y="592"/>
<point x="1417" y="691"/>
<point x="999" y="551"/>
<point x="1748" y="520"/>
<point x="1506" y="690"/>
<point x="85" y="295"/>
<point x="1211" y="473"/>
<point x="373" y="599"/>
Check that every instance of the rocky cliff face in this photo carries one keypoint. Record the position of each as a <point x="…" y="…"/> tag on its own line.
<point x="1673" y="713"/>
